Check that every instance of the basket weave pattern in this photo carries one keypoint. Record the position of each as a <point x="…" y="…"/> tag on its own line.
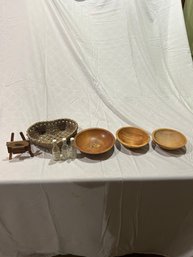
<point x="42" y="133"/>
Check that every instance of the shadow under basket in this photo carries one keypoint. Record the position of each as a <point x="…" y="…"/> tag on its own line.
<point x="42" y="133"/>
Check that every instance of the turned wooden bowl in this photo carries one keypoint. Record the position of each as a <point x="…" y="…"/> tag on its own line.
<point x="132" y="137"/>
<point x="169" y="139"/>
<point x="94" y="141"/>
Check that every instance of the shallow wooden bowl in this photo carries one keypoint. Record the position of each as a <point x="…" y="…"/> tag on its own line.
<point x="132" y="137"/>
<point x="169" y="139"/>
<point x="94" y="141"/>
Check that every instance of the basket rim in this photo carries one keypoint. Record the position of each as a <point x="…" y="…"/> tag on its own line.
<point x="46" y="121"/>
<point x="47" y="145"/>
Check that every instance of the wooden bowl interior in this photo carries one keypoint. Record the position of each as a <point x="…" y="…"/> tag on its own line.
<point x="169" y="139"/>
<point x="94" y="141"/>
<point x="132" y="137"/>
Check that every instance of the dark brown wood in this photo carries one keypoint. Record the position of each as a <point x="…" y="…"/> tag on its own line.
<point x="30" y="152"/>
<point x="16" y="147"/>
<point x="22" y="135"/>
<point x="12" y="138"/>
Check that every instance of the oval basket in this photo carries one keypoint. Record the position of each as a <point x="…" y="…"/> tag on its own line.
<point x="42" y="133"/>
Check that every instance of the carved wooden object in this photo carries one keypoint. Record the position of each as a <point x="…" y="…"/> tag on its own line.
<point x="16" y="147"/>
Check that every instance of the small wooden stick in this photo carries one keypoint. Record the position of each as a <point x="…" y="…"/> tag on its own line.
<point x="22" y="135"/>
<point x="30" y="152"/>
<point x="12" y="138"/>
<point x="10" y="156"/>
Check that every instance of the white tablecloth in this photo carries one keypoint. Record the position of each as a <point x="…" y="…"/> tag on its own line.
<point x="105" y="63"/>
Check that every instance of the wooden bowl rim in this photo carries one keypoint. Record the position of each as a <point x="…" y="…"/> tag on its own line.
<point x="90" y="129"/>
<point x="127" y="145"/>
<point x="167" y="147"/>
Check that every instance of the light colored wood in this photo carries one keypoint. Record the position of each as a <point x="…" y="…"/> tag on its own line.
<point x="132" y="137"/>
<point x="94" y="141"/>
<point x="169" y="139"/>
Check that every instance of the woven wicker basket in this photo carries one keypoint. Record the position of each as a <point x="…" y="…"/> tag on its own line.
<point x="42" y="133"/>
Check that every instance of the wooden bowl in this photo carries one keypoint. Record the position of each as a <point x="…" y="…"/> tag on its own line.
<point x="169" y="139"/>
<point x="94" y="141"/>
<point x="132" y="137"/>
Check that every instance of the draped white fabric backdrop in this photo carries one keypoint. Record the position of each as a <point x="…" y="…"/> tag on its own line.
<point x="104" y="63"/>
